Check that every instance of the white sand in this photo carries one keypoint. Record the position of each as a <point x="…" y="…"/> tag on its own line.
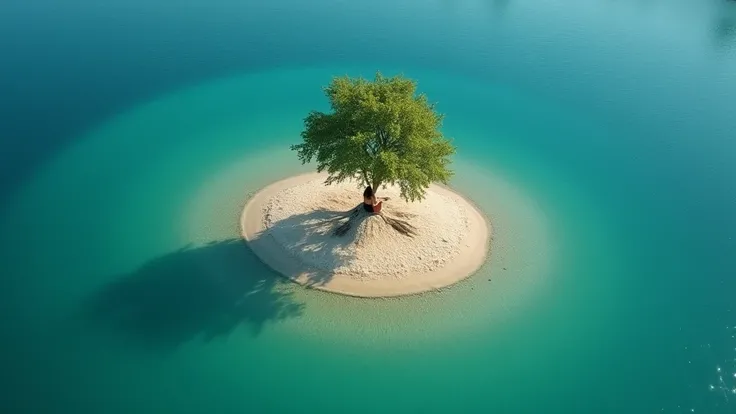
<point x="290" y="226"/>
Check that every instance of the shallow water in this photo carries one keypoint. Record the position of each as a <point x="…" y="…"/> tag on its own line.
<point x="598" y="137"/>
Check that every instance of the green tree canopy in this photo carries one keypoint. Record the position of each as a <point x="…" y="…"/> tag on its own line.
<point x="380" y="132"/>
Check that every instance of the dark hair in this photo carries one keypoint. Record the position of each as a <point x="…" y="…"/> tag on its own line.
<point x="368" y="193"/>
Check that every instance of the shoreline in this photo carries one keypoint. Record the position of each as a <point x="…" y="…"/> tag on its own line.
<point x="471" y="255"/>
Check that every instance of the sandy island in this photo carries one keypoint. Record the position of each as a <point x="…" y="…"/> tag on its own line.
<point x="290" y="226"/>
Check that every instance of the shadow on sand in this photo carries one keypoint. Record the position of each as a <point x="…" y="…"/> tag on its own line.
<point x="316" y="249"/>
<point x="201" y="292"/>
<point x="313" y="241"/>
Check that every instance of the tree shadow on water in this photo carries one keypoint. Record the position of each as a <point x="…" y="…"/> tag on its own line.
<point x="201" y="292"/>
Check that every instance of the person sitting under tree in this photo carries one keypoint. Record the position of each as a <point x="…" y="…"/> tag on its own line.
<point x="370" y="203"/>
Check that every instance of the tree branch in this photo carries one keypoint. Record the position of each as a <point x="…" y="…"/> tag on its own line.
<point x="382" y="137"/>
<point x="365" y="177"/>
<point x="375" y="186"/>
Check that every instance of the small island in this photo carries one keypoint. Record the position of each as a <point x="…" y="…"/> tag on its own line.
<point x="377" y="219"/>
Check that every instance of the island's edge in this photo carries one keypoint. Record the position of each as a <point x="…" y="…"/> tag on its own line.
<point x="461" y="267"/>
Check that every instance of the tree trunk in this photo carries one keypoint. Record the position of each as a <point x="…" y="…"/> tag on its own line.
<point x="365" y="177"/>
<point x="375" y="186"/>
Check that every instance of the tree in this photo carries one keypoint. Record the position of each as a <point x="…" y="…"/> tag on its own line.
<point x="380" y="133"/>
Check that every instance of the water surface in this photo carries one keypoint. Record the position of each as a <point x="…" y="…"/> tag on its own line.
<point x="597" y="136"/>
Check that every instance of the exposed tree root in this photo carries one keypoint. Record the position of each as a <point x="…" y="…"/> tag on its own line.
<point x="358" y="213"/>
<point x="399" y="225"/>
<point x="352" y="216"/>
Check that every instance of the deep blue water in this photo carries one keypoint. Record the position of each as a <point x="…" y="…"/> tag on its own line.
<point x="598" y="135"/>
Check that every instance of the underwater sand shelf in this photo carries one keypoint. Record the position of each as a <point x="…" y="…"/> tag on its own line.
<point x="292" y="226"/>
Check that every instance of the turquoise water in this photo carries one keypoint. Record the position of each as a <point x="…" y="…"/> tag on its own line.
<point x="597" y="136"/>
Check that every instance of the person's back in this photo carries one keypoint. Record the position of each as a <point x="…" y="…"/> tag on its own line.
<point x="369" y="201"/>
